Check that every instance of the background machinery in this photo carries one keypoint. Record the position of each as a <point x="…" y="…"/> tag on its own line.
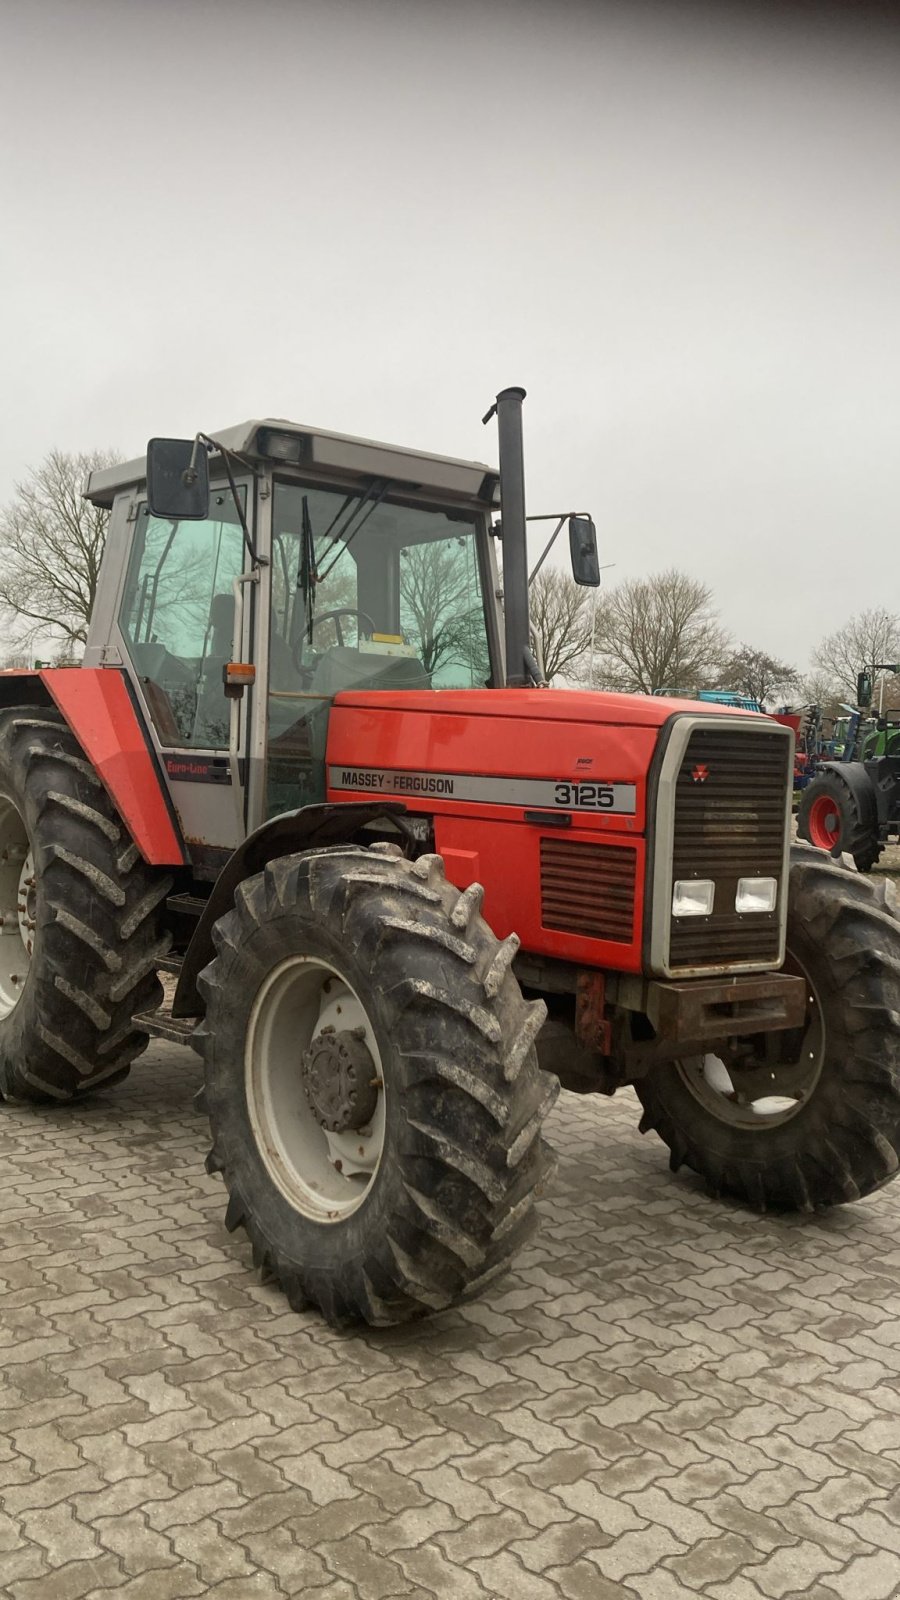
<point x="852" y="803"/>
<point x="308" y="762"/>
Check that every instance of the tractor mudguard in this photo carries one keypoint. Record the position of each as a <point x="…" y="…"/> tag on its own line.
<point x="882" y="774"/>
<point x="311" y="828"/>
<point x="859" y="782"/>
<point x="97" y="705"/>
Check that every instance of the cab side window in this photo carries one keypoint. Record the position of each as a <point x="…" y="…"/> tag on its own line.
<point x="177" y="617"/>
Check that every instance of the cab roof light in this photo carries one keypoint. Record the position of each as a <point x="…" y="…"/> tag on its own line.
<point x="294" y="449"/>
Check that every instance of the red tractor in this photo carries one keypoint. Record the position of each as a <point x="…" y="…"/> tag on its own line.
<point x="309" y="762"/>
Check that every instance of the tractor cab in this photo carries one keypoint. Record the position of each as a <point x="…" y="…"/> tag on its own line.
<point x="319" y="563"/>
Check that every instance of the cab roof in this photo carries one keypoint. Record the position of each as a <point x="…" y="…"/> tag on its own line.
<point x="271" y="440"/>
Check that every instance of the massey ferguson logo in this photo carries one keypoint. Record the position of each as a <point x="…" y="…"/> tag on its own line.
<point x="700" y="773"/>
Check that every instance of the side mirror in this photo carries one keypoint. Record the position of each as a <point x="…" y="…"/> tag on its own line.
<point x="177" y="480"/>
<point x="864" y="690"/>
<point x="583" y="551"/>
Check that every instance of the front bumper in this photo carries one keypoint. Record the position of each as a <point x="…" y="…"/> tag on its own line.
<point x="690" y="1017"/>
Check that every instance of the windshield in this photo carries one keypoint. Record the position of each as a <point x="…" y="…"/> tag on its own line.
<point x="356" y="572"/>
<point x="366" y="594"/>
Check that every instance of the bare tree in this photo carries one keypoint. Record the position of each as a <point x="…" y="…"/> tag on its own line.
<point x="15" y="660"/>
<point x="441" y="606"/>
<point x="51" y="542"/>
<point x="867" y="638"/>
<point x="819" y="689"/>
<point x="758" y="675"/>
<point x="660" y="632"/>
<point x="561" y="616"/>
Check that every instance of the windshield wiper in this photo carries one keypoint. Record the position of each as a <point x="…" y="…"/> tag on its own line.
<point x="307" y="577"/>
<point x="345" y="534"/>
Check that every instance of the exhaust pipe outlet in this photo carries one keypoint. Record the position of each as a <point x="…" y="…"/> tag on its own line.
<point x="508" y="407"/>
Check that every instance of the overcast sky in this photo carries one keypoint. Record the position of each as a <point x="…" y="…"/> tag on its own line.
<point x="678" y="227"/>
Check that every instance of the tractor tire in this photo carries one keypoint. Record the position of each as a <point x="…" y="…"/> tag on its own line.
<point x="79" y="941"/>
<point x="372" y="1085"/>
<point x="829" y="817"/>
<point x="821" y="1125"/>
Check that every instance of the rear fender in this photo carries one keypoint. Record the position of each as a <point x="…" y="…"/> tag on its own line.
<point x="97" y="705"/>
<point x="310" y="828"/>
<point x="882" y="778"/>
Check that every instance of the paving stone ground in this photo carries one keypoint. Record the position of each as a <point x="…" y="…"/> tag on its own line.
<point x="668" y="1397"/>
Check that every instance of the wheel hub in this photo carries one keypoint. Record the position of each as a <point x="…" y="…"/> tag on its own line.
<point x="18" y="905"/>
<point x="310" y="1049"/>
<point x="340" y="1080"/>
<point x="824" y="822"/>
<point x="26" y="903"/>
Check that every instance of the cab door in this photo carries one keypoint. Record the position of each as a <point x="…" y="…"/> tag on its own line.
<point x="185" y="608"/>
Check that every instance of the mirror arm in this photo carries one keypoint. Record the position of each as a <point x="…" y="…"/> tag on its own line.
<point x="226" y="455"/>
<point x="548" y="546"/>
<point x="563" y="516"/>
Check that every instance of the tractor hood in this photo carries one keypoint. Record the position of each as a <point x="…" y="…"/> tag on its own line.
<point x="539" y="705"/>
<point x="509" y="748"/>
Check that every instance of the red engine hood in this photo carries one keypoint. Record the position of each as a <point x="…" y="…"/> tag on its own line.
<point x="538" y="705"/>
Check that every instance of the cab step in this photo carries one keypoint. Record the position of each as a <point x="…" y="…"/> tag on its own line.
<point x="162" y="1025"/>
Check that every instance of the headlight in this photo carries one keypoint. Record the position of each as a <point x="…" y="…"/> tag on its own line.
<point x="693" y="897"/>
<point x="756" y="894"/>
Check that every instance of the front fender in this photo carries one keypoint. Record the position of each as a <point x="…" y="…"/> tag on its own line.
<point x="310" y="828"/>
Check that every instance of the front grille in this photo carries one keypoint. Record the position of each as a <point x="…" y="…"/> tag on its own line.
<point x="729" y="824"/>
<point x="588" y="889"/>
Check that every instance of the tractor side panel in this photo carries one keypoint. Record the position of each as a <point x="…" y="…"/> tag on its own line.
<point x="98" y="708"/>
<point x="563" y="893"/>
<point x="519" y="806"/>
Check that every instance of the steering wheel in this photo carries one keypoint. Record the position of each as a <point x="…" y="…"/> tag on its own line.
<point x="333" y="616"/>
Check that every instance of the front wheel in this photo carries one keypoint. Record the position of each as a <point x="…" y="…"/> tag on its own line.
<point x="809" y="1118"/>
<point x="372" y="1084"/>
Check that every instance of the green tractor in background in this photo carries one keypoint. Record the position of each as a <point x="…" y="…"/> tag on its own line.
<point x="852" y="805"/>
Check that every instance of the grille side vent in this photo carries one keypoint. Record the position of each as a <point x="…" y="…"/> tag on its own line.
<point x="588" y="889"/>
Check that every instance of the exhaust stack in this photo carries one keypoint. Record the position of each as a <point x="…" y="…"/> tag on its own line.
<point x="508" y="407"/>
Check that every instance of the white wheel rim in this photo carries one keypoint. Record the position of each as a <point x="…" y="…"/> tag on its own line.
<point x="773" y="1092"/>
<point x="18" y="908"/>
<point x="326" y="1176"/>
<point x="720" y="1079"/>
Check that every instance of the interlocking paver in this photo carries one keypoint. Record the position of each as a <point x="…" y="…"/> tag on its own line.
<point x="876" y="1576"/>
<point x="636" y="1552"/>
<point x="69" y="1582"/>
<point x="559" y="1544"/>
<point x="668" y="1397"/>
<point x="794" y="1569"/>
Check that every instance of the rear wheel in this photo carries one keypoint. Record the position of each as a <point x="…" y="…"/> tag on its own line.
<point x="79" y="940"/>
<point x="810" y="1118"/>
<point x="372" y="1085"/>
<point x="830" y="818"/>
